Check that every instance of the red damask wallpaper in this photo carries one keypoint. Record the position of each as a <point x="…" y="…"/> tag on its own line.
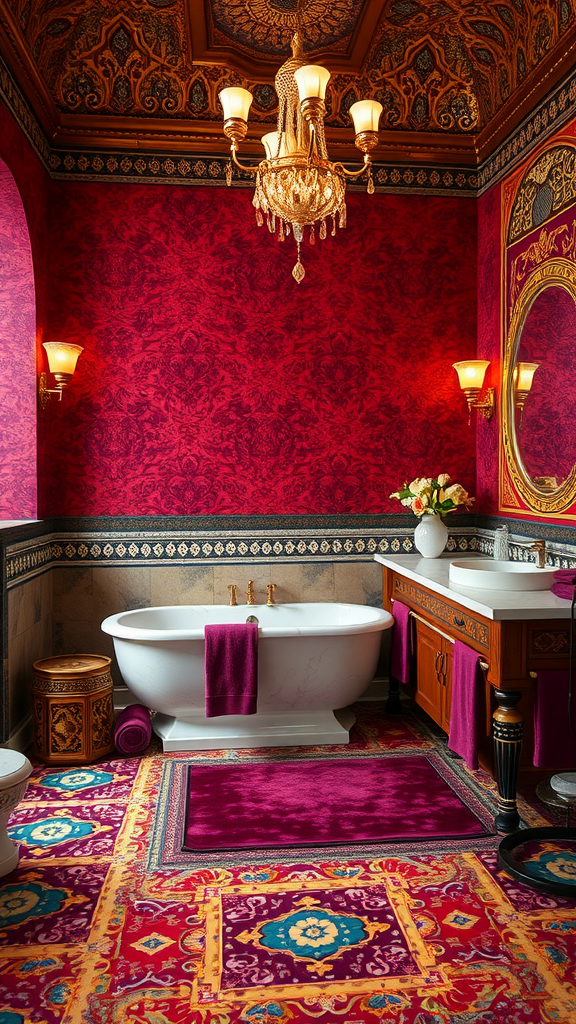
<point x="22" y="250"/>
<point x="489" y="278"/>
<point x="211" y="383"/>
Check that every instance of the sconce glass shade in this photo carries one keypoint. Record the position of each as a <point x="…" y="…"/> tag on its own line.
<point x="270" y="143"/>
<point x="471" y="373"/>
<point x="62" y="358"/>
<point x="365" y="115"/>
<point x="312" y="80"/>
<point x="235" y="102"/>
<point x="524" y="375"/>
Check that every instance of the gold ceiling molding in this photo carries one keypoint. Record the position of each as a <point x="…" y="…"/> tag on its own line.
<point x="454" y="77"/>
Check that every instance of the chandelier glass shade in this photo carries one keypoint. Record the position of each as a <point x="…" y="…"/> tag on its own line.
<point x="297" y="187"/>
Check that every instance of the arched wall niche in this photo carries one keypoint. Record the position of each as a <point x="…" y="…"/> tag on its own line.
<point x="18" y="494"/>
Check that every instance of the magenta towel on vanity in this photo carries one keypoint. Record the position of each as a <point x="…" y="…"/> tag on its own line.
<point x="132" y="730"/>
<point x="231" y="669"/>
<point x="467" y="713"/>
<point x="554" y="744"/>
<point x="401" y="644"/>
<point x="564" y="583"/>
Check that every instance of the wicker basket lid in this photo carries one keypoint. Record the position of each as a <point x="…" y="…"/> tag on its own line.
<point x="72" y="665"/>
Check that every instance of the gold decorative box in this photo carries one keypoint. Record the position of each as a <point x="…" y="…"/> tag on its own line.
<point x="73" y="709"/>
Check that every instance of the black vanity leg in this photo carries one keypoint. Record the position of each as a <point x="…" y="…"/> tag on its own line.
<point x="507" y="732"/>
<point x="393" y="704"/>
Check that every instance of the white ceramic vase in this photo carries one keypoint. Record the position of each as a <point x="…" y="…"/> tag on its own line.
<point x="430" y="536"/>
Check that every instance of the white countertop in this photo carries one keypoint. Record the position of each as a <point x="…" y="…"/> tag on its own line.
<point x="433" y="573"/>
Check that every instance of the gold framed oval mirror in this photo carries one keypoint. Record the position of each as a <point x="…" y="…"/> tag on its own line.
<point x="539" y="389"/>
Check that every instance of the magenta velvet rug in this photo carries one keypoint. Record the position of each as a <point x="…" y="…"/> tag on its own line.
<point x="324" y="802"/>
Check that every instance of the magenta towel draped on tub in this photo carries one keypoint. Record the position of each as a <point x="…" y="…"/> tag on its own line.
<point x="467" y="713"/>
<point x="554" y="744"/>
<point x="231" y="669"/>
<point x="401" y="644"/>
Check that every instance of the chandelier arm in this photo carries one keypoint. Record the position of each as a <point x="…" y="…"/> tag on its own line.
<point x="249" y="168"/>
<point x="355" y="174"/>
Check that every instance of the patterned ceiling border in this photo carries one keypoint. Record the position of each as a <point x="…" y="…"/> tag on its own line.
<point x="558" y="107"/>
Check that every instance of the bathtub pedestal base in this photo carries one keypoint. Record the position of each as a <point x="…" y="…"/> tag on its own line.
<point x="232" y="732"/>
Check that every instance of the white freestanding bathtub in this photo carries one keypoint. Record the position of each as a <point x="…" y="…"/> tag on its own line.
<point x="313" y="659"/>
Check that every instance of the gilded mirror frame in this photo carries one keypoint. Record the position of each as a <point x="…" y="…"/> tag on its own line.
<point x="538" y="251"/>
<point x="560" y="273"/>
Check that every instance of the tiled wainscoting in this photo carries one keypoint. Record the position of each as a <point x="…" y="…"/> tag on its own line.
<point x="63" y="578"/>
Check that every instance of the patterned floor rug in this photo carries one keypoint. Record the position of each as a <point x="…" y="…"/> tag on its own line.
<point x="98" y="926"/>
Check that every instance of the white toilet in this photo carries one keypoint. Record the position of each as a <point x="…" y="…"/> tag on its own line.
<point x="14" y="771"/>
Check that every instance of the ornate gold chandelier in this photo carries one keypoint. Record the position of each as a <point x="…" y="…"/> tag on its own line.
<point x="296" y="184"/>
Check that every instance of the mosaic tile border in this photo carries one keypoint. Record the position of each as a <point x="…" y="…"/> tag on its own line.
<point x="207" y="169"/>
<point x="30" y="558"/>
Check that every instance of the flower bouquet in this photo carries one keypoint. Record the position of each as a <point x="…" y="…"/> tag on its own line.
<point x="430" y="498"/>
<point x="433" y="497"/>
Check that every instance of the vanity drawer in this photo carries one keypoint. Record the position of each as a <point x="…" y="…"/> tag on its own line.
<point x="461" y="623"/>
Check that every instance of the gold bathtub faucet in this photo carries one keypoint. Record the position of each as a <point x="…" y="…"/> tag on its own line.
<point x="250" y="593"/>
<point x="270" y="587"/>
<point x="232" y="588"/>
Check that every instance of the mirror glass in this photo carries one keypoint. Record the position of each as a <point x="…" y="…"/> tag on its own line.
<point x="545" y="415"/>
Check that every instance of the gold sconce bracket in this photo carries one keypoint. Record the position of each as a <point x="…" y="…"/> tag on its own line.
<point x="483" y="402"/>
<point x="43" y="391"/>
<point x="313" y="109"/>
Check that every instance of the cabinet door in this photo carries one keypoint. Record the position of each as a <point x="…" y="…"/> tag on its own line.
<point x="429" y="686"/>
<point x="446" y="674"/>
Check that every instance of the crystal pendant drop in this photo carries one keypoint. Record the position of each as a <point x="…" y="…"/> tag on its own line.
<point x="229" y="173"/>
<point x="259" y="218"/>
<point x="298" y="233"/>
<point x="370" y="188"/>
<point x="298" y="272"/>
<point x="280" y="230"/>
<point x="287" y="229"/>
<point x="333" y="232"/>
<point x="322" y="231"/>
<point x="342" y="218"/>
<point x="312" y="235"/>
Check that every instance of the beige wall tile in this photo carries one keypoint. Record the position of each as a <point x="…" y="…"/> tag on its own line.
<point x="73" y="593"/>
<point x="181" y="584"/>
<point x="119" y="589"/>
<point x="358" y="582"/>
<point x="317" y="581"/>
<point x="27" y="605"/>
<point x="240" y="574"/>
<point x="24" y="650"/>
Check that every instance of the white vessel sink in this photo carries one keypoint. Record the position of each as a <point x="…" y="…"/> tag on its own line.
<point x="490" y="574"/>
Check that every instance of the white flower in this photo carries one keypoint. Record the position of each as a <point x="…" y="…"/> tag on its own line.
<point x="420" y="484"/>
<point x="443" y="479"/>
<point x="313" y="931"/>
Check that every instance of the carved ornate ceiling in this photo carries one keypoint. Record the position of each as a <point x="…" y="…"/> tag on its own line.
<point x="450" y="74"/>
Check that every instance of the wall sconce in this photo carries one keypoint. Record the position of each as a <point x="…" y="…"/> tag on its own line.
<point x="471" y="374"/>
<point x="523" y="377"/>
<point x="62" y="359"/>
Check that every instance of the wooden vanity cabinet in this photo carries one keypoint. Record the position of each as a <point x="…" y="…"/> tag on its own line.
<point x="511" y="649"/>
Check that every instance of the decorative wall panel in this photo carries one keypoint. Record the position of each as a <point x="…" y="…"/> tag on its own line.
<point x="210" y="384"/>
<point x="538" y="461"/>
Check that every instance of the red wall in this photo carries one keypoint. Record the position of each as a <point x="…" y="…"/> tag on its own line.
<point x="211" y="383"/>
<point x="489" y="315"/>
<point x="23" y="241"/>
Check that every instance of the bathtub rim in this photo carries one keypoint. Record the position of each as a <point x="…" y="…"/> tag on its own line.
<point x="379" y="621"/>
